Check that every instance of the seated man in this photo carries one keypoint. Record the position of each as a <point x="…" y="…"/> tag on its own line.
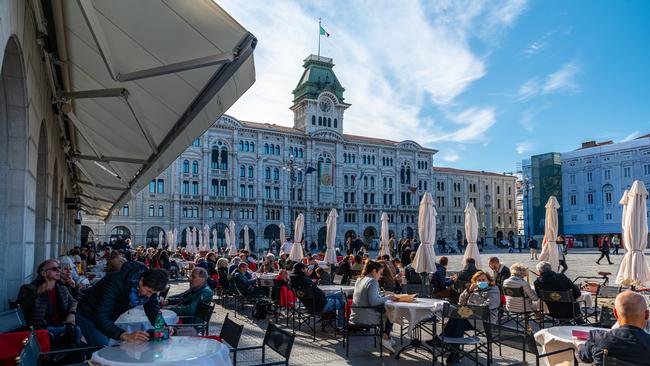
<point x="549" y="280"/>
<point x="117" y="292"/>
<point x="245" y="282"/>
<point x="412" y="277"/>
<point x="47" y="303"/>
<point x="184" y="304"/>
<point x="320" y="302"/>
<point x="629" y="343"/>
<point x="500" y="272"/>
<point x="439" y="280"/>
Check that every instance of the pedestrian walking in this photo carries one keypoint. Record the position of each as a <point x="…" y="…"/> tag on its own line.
<point x="519" y="244"/>
<point x="616" y="243"/>
<point x="562" y="251"/>
<point x="604" y="250"/>
<point x="532" y="244"/>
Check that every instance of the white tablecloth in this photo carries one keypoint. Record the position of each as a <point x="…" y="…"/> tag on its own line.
<point x="267" y="276"/>
<point x="136" y="319"/>
<point x="186" y="351"/>
<point x="413" y="312"/>
<point x="556" y="338"/>
<point x="328" y="289"/>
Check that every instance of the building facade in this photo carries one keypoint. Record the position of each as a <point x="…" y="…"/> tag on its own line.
<point x="261" y="175"/>
<point x="493" y="195"/>
<point x="542" y="178"/>
<point x="594" y="178"/>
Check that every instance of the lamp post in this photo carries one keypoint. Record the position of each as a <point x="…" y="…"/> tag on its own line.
<point x="291" y="168"/>
<point x="526" y="185"/>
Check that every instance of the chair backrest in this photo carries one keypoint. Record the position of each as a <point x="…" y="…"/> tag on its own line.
<point x="460" y="285"/>
<point x="607" y="318"/>
<point x="30" y="354"/>
<point x="267" y="282"/>
<point x="513" y="292"/>
<point x="279" y="340"/>
<point x="612" y="361"/>
<point x="11" y="320"/>
<point x="204" y="311"/>
<point x="231" y="332"/>
<point x="608" y="291"/>
<point x="472" y="313"/>
<point x="338" y="279"/>
<point x="557" y="296"/>
<point x="511" y="337"/>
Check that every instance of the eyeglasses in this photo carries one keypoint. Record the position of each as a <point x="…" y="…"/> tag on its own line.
<point x="55" y="269"/>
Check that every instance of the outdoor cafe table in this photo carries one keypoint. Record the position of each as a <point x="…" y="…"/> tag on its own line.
<point x="414" y="312"/>
<point x="267" y="276"/>
<point x="186" y="351"/>
<point x="329" y="289"/>
<point x="556" y="338"/>
<point x="135" y="319"/>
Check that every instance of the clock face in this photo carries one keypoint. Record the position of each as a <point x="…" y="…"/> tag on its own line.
<point x="325" y="105"/>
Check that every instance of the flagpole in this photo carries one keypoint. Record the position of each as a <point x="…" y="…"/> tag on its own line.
<point x="319" y="25"/>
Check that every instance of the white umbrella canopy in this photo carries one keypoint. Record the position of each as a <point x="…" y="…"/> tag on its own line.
<point x="169" y="239"/>
<point x="175" y="238"/>
<point x="296" y="250"/>
<point x="634" y="269"/>
<point x="471" y="233"/>
<point x="283" y="234"/>
<point x="246" y="239"/>
<point x="233" y="236"/>
<point x="384" y="246"/>
<point x="425" y="257"/>
<point x="188" y="239"/>
<point x="550" y="253"/>
<point x="206" y="237"/>
<point x="160" y="239"/>
<point x="330" y="253"/>
<point x="214" y="239"/>
<point x="232" y="249"/>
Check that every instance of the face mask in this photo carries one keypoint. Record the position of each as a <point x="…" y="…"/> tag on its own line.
<point x="482" y="285"/>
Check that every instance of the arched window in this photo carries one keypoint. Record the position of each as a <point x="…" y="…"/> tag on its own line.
<point x="402" y="175"/>
<point x="345" y="180"/>
<point x="161" y="211"/>
<point x="267" y="173"/>
<point x="365" y="182"/>
<point x="195" y="167"/>
<point x="214" y="161"/>
<point x="385" y="182"/>
<point x="211" y="213"/>
<point x="247" y="146"/>
<point x="335" y="123"/>
<point x="241" y="145"/>
<point x="300" y="152"/>
<point x="299" y="176"/>
<point x="223" y="188"/>
<point x="242" y="171"/>
<point x="266" y="148"/>
<point x="224" y="158"/>
<point x="277" y="149"/>
<point x="364" y="159"/>
<point x="408" y="175"/>
<point x="372" y="182"/>
<point x="186" y="166"/>
<point x="252" y="146"/>
<point x="195" y="188"/>
<point x="373" y="160"/>
<point x="214" y="187"/>
<point x="320" y="121"/>
<point x="250" y="171"/>
<point x="329" y="122"/>
<point x="276" y="174"/>
<point x="152" y="211"/>
<point x="313" y="120"/>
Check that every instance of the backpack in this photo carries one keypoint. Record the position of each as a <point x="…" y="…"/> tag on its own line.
<point x="261" y="309"/>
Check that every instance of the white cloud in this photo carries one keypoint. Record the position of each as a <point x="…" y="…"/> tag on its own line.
<point x="395" y="60"/>
<point x="524" y="147"/>
<point x="631" y="136"/>
<point x="535" y="48"/>
<point x="475" y="121"/>
<point x="561" y="81"/>
<point x="450" y="156"/>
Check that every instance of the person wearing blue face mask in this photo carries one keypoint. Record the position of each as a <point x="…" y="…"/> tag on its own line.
<point x="482" y="291"/>
<point x="117" y="292"/>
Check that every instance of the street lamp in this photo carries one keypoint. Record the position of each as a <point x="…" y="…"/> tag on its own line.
<point x="291" y="168"/>
<point x="526" y="185"/>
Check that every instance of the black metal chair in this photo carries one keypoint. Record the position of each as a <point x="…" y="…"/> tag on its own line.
<point x="613" y="361"/>
<point x="526" y="315"/>
<point x="31" y="354"/>
<point x="242" y="298"/>
<point x="556" y="298"/>
<point x="302" y="315"/>
<point x="200" y="321"/>
<point x="365" y="330"/>
<point x="475" y="315"/>
<point x="231" y="334"/>
<point x="12" y="320"/>
<point x="278" y="340"/>
<point x="521" y="340"/>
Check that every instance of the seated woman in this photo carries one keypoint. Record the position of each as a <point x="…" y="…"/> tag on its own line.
<point x="323" y="276"/>
<point x="387" y="279"/>
<point x="517" y="279"/>
<point x="345" y="270"/>
<point x="73" y="287"/>
<point x="269" y="264"/>
<point x="245" y="282"/>
<point x="482" y="291"/>
<point x="222" y="270"/>
<point x="366" y="294"/>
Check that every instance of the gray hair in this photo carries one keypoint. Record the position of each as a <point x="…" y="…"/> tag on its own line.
<point x="519" y="270"/>
<point x="544" y="267"/>
<point x="201" y="272"/>
<point x="222" y="263"/>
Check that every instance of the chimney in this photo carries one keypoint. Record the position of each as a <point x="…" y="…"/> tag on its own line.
<point x="587" y="144"/>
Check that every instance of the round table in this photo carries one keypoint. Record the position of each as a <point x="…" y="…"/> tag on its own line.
<point x="413" y="312"/>
<point x="267" y="276"/>
<point x="329" y="289"/>
<point x="556" y="338"/>
<point x="135" y="319"/>
<point x="188" y="351"/>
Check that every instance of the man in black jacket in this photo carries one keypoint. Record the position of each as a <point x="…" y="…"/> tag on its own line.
<point x="314" y="298"/>
<point x="500" y="271"/>
<point x="549" y="280"/>
<point x="113" y="295"/>
<point x="629" y="343"/>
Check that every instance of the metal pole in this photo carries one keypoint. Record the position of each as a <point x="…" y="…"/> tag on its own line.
<point x="319" y="26"/>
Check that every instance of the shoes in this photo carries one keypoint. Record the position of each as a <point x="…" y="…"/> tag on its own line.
<point x="453" y="358"/>
<point x="387" y="345"/>
<point x="434" y="342"/>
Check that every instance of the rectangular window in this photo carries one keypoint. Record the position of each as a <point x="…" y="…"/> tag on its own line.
<point x="161" y="211"/>
<point x="161" y="186"/>
<point x="276" y="193"/>
<point x="590" y="198"/>
<point x="186" y="187"/>
<point x="299" y="194"/>
<point x="574" y="218"/>
<point x="608" y="216"/>
<point x="351" y="197"/>
<point x="242" y="191"/>
<point x="590" y="217"/>
<point x="646" y="169"/>
<point x="589" y="176"/>
<point x="345" y="197"/>
<point x="572" y="179"/>
<point x="195" y="188"/>
<point x="152" y="186"/>
<point x="251" y="191"/>
<point x="267" y="192"/>
<point x="607" y="174"/>
<point x="365" y="198"/>
<point x="573" y="199"/>
<point x="498" y="202"/>
<point x="626" y="172"/>
<point x="608" y="198"/>
<point x="152" y="211"/>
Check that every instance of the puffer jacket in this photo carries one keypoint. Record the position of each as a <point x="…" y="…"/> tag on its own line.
<point x="35" y="306"/>
<point x="516" y="304"/>
<point x="105" y="301"/>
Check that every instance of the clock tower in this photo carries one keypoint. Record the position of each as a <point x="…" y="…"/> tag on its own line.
<point x="318" y="98"/>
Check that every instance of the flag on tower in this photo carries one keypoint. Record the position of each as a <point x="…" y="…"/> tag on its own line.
<point x="323" y="32"/>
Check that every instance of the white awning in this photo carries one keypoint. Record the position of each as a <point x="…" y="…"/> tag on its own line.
<point x="146" y="79"/>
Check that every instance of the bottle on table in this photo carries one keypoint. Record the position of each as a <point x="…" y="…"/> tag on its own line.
<point x="159" y="327"/>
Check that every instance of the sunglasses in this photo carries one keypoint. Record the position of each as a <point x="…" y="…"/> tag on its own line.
<point x="55" y="269"/>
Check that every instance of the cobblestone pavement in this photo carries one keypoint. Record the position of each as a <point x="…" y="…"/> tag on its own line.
<point x="327" y="350"/>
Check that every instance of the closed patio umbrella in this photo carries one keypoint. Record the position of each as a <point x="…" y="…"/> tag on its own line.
<point x="634" y="268"/>
<point x="296" y="250"/>
<point x="215" y="240"/>
<point x="175" y="239"/>
<point x="200" y="240"/>
<point x="471" y="233"/>
<point x="425" y="257"/>
<point x="283" y="235"/>
<point x="232" y="249"/>
<point x="550" y="253"/>
<point x="384" y="248"/>
<point x="246" y="239"/>
<point x="233" y="235"/>
<point x="160" y="239"/>
<point x="206" y="237"/>
<point x="330" y="253"/>
<point x="188" y="238"/>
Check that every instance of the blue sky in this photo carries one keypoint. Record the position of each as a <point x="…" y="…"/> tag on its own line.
<point x="487" y="83"/>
